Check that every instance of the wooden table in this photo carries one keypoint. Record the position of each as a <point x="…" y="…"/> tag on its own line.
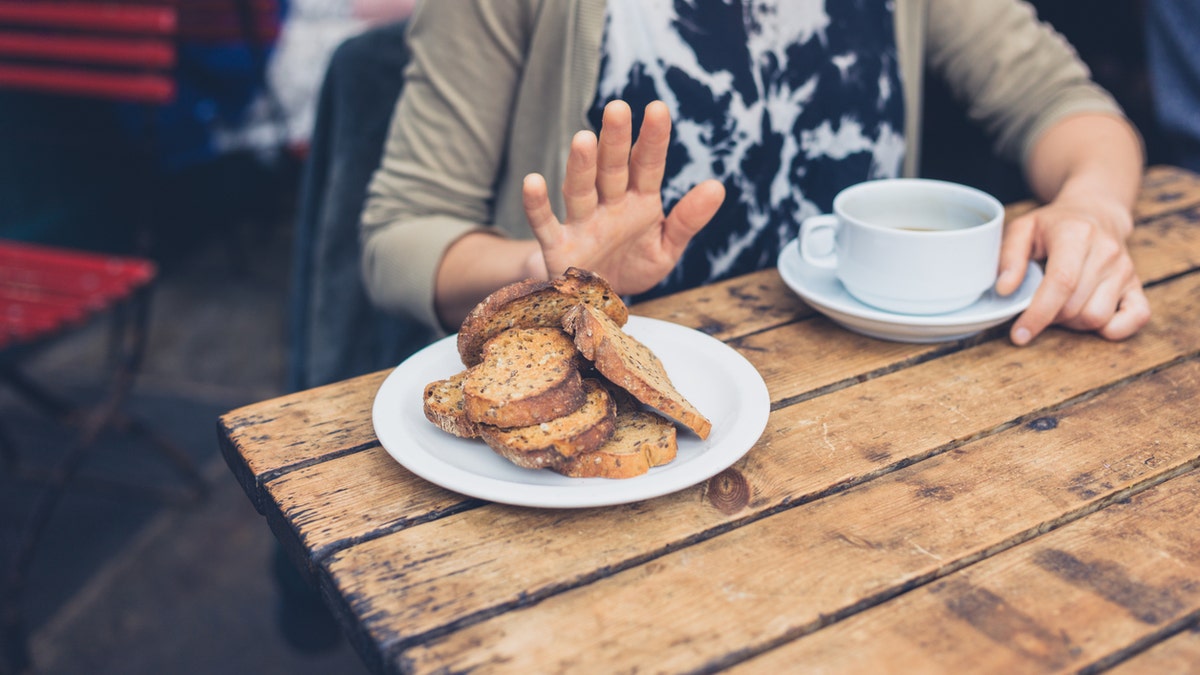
<point x="960" y="507"/>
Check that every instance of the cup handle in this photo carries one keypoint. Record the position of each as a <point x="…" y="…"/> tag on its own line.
<point x="808" y="229"/>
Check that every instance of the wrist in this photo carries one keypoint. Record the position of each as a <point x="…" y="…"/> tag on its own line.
<point x="477" y="264"/>
<point x="1108" y="205"/>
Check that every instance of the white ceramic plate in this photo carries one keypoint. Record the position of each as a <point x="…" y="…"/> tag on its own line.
<point x="720" y="382"/>
<point x="820" y="288"/>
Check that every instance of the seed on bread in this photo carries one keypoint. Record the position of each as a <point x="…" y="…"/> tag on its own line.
<point x="532" y="304"/>
<point x="642" y="440"/>
<point x="549" y="444"/>
<point x="444" y="406"/>
<point x="527" y="376"/>
<point x="553" y="382"/>
<point x="631" y="365"/>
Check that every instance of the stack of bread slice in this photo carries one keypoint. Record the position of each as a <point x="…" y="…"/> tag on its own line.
<point x="552" y="381"/>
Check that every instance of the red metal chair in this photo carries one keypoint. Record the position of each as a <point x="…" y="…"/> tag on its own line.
<point x="111" y="50"/>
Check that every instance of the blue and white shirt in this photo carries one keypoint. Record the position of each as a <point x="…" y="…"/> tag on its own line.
<point x="784" y="101"/>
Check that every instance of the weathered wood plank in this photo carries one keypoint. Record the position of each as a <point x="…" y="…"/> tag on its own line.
<point x="1179" y="653"/>
<point x="270" y="436"/>
<point x="357" y="496"/>
<point x="419" y="580"/>
<point x="261" y="439"/>
<point x="784" y="576"/>
<point x="836" y="355"/>
<point x="390" y="497"/>
<point x="283" y="441"/>
<point x="1067" y="600"/>
<point x="800" y="359"/>
<point x="1165" y="189"/>
<point x="1167" y="245"/>
<point x="727" y="309"/>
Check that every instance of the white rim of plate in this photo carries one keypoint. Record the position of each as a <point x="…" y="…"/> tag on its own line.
<point x="735" y="429"/>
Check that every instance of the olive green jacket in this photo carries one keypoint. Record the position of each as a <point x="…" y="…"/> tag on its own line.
<point x="496" y="89"/>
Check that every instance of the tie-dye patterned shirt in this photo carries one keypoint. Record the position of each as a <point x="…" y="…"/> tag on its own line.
<point x="785" y="101"/>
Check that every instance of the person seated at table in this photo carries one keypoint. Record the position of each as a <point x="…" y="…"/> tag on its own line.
<point x="776" y="106"/>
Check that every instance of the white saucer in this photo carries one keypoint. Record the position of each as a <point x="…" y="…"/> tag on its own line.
<point x="821" y="289"/>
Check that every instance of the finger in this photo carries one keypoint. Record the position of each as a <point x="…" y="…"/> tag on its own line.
<point x="1105" y="274"/>
<point x="1064" y="267"/>
<point x="1097" y="307"/>
<point x="612" y="165"/>
<point x="690" y="214"/>
<point x="648" y="160"/>
<point x="541" y="217"/>
<point x="1132" y="314"/>
<point x="579" y="185"/>
<point x="1015" y="252"/>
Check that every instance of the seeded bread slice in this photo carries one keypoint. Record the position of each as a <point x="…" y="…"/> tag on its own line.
<point x="527" y="376"/>
<point x="549" y="444"/>
<point x="631" y="365"/>
<point x="530" y="304"/>
<point x="445" y="406"/>
<point x="642" y="440"/>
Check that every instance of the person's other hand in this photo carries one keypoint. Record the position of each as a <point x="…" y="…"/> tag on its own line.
<point x="1089" y="283"/>
<point x="615" y="225"/>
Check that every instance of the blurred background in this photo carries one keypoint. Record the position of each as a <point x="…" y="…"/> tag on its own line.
<point x="122" y="584"/>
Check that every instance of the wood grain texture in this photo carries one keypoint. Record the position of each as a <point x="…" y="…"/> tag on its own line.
<point x="1166" y="189"/>
<point x="260" y="440"/>
<point x="809" y="449"/>
<point x="356" y="497"/>
<point x="1069" y="600"/>
<point x="728" y="309"/>
<point x="784" y="576"/>
<point x="797" y="360"/>
<point x="1179" y="653"/>
<point x="885" y="470"/>
<point x="267" y="437"/>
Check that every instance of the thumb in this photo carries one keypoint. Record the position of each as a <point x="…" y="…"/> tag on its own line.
<point x="691" y="213"/>
<point x="1015" y="252"/>
<point x="536" y="200"/>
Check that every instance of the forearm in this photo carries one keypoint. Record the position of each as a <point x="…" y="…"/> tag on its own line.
<point x="1089" y="157"/>
<point x="477" y="264"/>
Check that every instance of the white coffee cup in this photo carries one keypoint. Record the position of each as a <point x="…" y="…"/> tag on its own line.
<point x="909" y="245"/>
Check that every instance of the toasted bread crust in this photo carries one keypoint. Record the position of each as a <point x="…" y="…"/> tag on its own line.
<point x="551" y="443"/>
<point x="642" y="440"/>
<point x="444" y="406"/>
<point x="631" y="365"/>
<point x="531" y="304"/>
<point x="553" y="382"/>
<point x="527" y="376"/>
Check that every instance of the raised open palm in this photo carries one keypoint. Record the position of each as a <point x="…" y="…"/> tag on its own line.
<point x="615" y="225"/>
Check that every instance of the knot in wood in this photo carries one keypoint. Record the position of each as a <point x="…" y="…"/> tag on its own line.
<point x="728" y="491"/>
<point x="1043" y="424"/>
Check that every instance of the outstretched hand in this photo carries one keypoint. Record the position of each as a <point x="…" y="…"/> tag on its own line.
<point x="615" y="225"/>
<point x="1090" y="283"/>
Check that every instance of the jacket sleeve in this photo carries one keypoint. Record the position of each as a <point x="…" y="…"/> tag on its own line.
<point x="445" y="146"/>
<point x="1016" y="75"/>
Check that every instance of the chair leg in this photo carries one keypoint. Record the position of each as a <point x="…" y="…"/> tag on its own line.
<point x="130" y="348"/>
<point x="129" y="336"/>
<point x="127" y="343"/>
<point x="12" y="626"/>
